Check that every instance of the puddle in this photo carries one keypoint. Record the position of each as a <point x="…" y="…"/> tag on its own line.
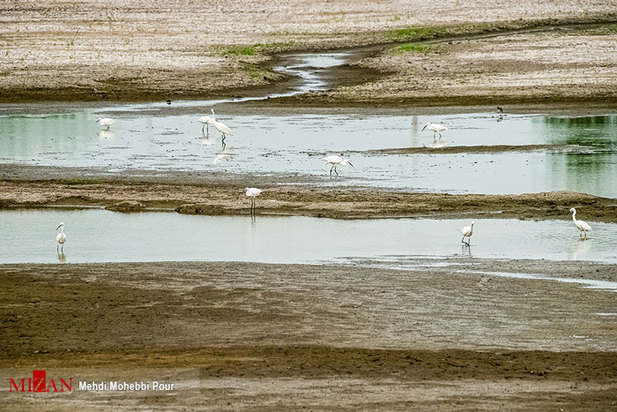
<point x="295" y="144"/>
<point x="103" y="236"/>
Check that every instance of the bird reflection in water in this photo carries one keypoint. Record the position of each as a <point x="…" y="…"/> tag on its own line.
<point x="222" y="155"/>
<point x="106" y="135"/>
<point x="583" y="245"/>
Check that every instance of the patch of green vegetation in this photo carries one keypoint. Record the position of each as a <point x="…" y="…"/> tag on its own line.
<point x="241" y="51"/>
<point x="5" y="73"/>
<point x="413" y="48"/>
<point x="256" y="72"/>
<point x="416" y="33"/>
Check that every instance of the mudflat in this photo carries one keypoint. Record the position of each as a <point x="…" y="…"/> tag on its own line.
<point x="241" y="336"/>
<point x="207" y="193"/>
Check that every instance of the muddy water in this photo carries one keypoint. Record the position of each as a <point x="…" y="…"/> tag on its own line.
<point x="294" y="145"/>
<point x="103" y="236"/>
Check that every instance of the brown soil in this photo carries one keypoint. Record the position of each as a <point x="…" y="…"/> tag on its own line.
<point x="475" y="149"/>
<point x="119" y="50"/>
<point x="254" y="336"/>
<point x="524" y="67"/>
<point x="208" y="194"/>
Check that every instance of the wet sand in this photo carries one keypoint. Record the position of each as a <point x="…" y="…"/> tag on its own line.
<point x="212" y="194"/>
<point x="437" y="148"/>
<point x="244" y="336"/>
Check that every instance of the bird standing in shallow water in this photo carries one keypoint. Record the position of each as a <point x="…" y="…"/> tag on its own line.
<point x="580" y="225"/>
<point x="435" y="128"/>
<point x="467" y="231"/>
<point x="105" y="122"/>
<point x="221" y="127"/>
<point x="336" y="161"/>
<point x="252" y="192"/>
<point x="61" y="238"/>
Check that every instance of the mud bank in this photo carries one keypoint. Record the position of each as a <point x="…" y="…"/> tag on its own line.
<point x="212" y="194"/>
<point x="249" y="335"/>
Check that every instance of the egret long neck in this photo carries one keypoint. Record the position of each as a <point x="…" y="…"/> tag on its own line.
<point x="574" y="216"/>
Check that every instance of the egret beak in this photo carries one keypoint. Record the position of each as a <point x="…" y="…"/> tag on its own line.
<point x="424" y="127"/>
<point x="349" y="163"/>
<point x="97" y="120"/>
<point x="58" y="227"/>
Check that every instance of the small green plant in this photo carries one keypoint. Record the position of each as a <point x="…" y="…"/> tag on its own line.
<point x="412" y="48"/>
<point x="256" y="72"/>
<point x="241" y="51"/>
<point x="416" y="33"/>
<point x="5" y="73"/>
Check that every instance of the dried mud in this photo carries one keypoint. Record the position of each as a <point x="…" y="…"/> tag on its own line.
<point x="241" y="336"/>
<point x="124" y="51"/>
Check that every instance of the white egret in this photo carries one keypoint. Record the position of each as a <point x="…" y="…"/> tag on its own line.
<point x="221" y="127"/>
<point x="252" y="192"/>
<point x="106" y="122"/>
<point x="467" y="231"/>
<point x="336" y="161"/>
<point x="61" y="238"/>
<point x="580" y="225"/>
<point x="435" y="128"/>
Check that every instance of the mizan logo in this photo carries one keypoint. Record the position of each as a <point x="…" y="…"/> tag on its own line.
<point x="39" y="383"/>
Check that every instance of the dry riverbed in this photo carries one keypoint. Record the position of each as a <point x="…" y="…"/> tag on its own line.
<point x="238" y="336"/>
<point x="119" y="50"/>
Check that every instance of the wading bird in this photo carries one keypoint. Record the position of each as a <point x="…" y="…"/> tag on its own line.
<point x="106" y="122"/>
<point x="221" y="127"/>
<point x="580" y="225"/>
<point x="435" y="128"/>
<point x="467" y="231"/>
<point x="61" y="238"/>
<point x="336" y="161"/>
<point x="252" y="192"/>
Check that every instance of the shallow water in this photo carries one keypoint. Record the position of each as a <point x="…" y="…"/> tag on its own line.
<point x="103" y="236"/>
<point x="294" y="145"/>
<point x="154" y="136"/>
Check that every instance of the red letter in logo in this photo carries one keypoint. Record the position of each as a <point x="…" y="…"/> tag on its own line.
<point x="38" y="379"/>
<point x="63" y="384"/>
<point x="14" y="385"/>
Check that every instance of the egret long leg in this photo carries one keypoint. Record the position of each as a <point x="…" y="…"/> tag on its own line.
<point x="331" y="168"/>
<point x="335" y="171"/>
